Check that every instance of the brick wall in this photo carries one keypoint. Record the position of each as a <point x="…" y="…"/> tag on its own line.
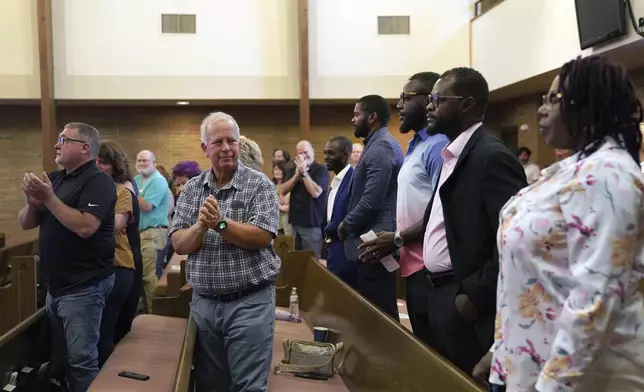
<point x="171" y="132"/>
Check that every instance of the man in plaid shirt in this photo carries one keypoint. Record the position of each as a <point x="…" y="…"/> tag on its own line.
<point x="225" y="220"/>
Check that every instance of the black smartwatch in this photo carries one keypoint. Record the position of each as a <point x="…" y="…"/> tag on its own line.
<point x="221" y="226"/>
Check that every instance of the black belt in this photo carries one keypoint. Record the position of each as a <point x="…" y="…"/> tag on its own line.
<point x="236" y="295"/>
<point x="440" y="279"/>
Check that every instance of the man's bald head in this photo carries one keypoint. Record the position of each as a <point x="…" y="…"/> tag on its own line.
<point x="146" y="163"/>
<point x="304" y="149"/>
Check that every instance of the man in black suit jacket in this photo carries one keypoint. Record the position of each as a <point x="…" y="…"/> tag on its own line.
<point x="478" y="177"/>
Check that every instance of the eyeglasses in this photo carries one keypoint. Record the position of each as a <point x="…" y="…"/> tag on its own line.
<point x="67" y="140"/>
<point x="408" y="95"/>
<point x="551" y="99"/>
<point x="435" y="99"/>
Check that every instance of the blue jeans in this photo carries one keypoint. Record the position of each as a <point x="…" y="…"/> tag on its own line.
<point x="497" y="388"/>
<point x="234" y="345"/>
<point x="308" y="238"/>
<point x="76" y="320"/>
<point x="123" y="278"/>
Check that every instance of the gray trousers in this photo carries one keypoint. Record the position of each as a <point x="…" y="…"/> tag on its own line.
<point x="234" y="345"/>
<point x="308" y="238"/>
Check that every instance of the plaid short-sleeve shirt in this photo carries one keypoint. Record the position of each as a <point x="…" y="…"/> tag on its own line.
<point x="220" y="267"/>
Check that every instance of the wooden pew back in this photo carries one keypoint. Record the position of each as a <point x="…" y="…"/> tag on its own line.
<point x="27" y="248"/>
<point x="18" y="293"/>
<point x="381" y="355"/>
<point x="26" y="344"/>
<point x="154" y="348"/>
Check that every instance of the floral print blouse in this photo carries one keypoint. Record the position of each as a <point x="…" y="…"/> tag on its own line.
<point x="570" y="254"/>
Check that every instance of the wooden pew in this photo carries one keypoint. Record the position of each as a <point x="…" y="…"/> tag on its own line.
<point x="381" y="354"/>
<point x="157" y="346"/>
<point x="25" y="349"/>
<point x="170" y="281"/>
<point x="160" y="345"/>
<point x="18" y="292"/>
<point x="27" y="248"/>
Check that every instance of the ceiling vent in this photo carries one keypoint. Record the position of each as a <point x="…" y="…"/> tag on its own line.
<point x="393" y="25"/>
<point x="178" y="24"/>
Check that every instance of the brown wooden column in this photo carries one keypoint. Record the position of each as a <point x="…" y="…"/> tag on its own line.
<point x="47" y="100"/>
<point x="303" y="38"/>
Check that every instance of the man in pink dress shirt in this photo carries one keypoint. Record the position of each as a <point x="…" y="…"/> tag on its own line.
<point x="478" y="176"/>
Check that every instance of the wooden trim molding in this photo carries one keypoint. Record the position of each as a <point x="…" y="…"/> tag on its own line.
<point x="47" y="97"/>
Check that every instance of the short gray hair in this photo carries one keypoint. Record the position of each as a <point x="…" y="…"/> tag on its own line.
<point x="92" y="135"/>
<point x="214" y="118"/>
<point x="250" y="154"/>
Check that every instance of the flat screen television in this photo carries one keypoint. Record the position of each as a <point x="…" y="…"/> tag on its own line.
<point x="599" y="21"/>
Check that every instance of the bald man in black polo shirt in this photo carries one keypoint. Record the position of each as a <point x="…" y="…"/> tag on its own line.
<point x="74" y="208"/>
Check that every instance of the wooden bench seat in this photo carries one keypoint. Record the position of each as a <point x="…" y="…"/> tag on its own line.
<point x="288" y="382"/>
<point x="153" y="347"/>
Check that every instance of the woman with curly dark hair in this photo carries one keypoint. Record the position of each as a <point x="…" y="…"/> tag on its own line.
<point x="121" y="305"/>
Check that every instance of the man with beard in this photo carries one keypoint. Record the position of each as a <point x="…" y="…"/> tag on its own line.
<point x="153" y="223"/>
<point x="416" y="182"/>
<point x="478" y="176"/>
<point x="336" y="157"/>
<point x="372" y="204"/>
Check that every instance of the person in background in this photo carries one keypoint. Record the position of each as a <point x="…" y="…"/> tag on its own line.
<point x="169" y="179"/>
<point x="308" y="188"/>
<point x="355" y="154"/>
<point x="250" y="154"/>
<point x="182" y="172"/>
<point x="531" y="169"/>
<point x="153" y="225"/>
<point x="372" y="204"/>
<point x="281" y="155"/>
<point x="417" y="181"/>
<point x="113" y="161"/>
<point x="279" y="176"/>
<point x="131" y="304"/>
<point x="74" y="209"/>
<point x="226" y="220"/>
<point x="569" y="312"/>
<point x="336" y="156"/>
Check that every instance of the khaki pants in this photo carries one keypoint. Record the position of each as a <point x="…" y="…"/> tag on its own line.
<point x="152" y="241"/>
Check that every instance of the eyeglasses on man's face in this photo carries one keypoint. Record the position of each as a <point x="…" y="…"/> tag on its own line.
<point x="436" y="99"/>
<point x="66" y="140"/>
<point x="406" y="96"/>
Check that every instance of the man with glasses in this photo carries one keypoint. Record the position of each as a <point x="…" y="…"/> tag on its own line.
<point x="74" y="208"/>
<point x="416" y="181"/>
<point x="478" y="176"/>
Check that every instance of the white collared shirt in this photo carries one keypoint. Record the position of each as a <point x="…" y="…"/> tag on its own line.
<point x="335" y="184"/>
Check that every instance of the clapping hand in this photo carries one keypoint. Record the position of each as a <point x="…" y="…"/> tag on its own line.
<point x="301" y="165"/>
<point x="37" y="190"/>
<point x="209" y="213"/>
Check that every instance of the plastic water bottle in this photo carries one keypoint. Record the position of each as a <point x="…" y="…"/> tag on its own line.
<point x="294" y="303"/>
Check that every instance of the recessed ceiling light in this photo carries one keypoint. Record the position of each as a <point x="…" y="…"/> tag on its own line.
<point x="183" y="103"/>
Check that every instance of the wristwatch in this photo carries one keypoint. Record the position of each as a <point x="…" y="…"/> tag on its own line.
<point x="398" y="240"/>
<point x="221" y="226"/>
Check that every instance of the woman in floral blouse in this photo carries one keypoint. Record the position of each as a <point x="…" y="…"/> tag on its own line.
<point x="569" y="315"/>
